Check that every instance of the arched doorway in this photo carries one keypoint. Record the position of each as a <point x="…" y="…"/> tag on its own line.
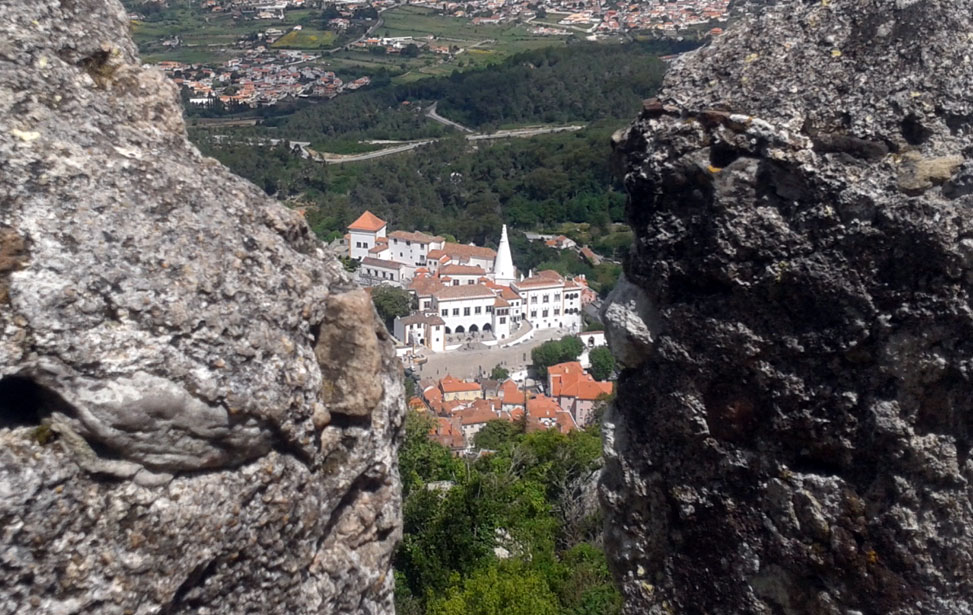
<point x="487" y="328"/>
<point x="448" y="331"/>
<point x="474" y="329"/>
<point x="460" y="329"/>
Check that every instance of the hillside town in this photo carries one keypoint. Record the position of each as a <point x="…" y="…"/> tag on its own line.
<point x="594" y="16"/>
<point x="568" y="400"/>
<point x="463" y="291"/>
<point x="258" y="78"/>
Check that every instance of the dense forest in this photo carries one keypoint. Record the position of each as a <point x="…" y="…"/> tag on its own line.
<point x="447" y="186"/>
<point x="515" y="532"/>
<point x="584" y="82"/>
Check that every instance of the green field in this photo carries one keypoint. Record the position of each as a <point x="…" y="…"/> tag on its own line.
<point x="306" y="39"/>
<point x="206" y="34"/>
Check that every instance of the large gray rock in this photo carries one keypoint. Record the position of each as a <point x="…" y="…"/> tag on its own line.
<point x="792" y="434"/>
<point x="199" y="411"/>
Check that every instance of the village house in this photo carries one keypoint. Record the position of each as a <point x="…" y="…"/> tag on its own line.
<point x="550" y="301"/>
<point x="576" y="391"/>
<point x="454" y="389"/>
<point x="364" y="234"/>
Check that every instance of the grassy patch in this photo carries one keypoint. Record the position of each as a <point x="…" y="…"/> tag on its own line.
<point x="306" y="39"/>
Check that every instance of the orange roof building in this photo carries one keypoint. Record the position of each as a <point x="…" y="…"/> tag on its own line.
<point x="456" y="389"/>
<point x="364" y="234"/>
<point x="367" y="222"/>
<point x="576" y="391"/>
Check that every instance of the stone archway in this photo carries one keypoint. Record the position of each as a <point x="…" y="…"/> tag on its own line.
<point x="460" y="329"/>
<point x="448" y="331"/>
<point x="487" y="328"/>
<point x="474" y="329"/>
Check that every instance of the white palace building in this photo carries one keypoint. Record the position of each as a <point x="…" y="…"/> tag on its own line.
<point x="461" y="289"/>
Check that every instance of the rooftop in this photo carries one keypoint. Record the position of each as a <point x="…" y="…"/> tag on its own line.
<point x="454" y="385"/>
<point x="452" y="269"/>
<point x="465" y="291"/>
<point x="367" y="222"/>
<point x="415" y="236"/>
<point x="379" y="262"/>
<point x="461" y="251"/>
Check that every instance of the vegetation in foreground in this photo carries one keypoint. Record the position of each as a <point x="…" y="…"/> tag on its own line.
<point x="508" y="534"/>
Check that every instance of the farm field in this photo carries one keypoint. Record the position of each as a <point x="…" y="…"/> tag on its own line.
<point x="306" y="39"/>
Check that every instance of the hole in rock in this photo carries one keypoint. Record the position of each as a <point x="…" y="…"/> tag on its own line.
<point x="913" y="130"/>
<point x="722" y="155"/>
<point x="23" y="402"/>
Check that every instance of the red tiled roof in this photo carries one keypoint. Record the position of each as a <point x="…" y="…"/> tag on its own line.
<point x="589" y="390"/>
<point x="543" y="407"/>
<point x="455" y="385"/>
<point x="367" y="222"/>
<point x="452" y="269"/>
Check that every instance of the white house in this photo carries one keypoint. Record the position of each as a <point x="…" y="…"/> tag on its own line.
<point x="364" y="234"/>
<point x="412" y="248"/>
<point x="374" y="271"/>
<point x="421" y="330"/>
<point x="466" y="308"/>
<point x="457" y="275"/>
<point x="461" y="254"/>
<point x="550" y="301"/>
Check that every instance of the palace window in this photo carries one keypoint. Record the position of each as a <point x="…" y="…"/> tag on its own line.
<point x="478" y="310"/>
<point x="455" y="311"/>
<point x="466" y="311"/>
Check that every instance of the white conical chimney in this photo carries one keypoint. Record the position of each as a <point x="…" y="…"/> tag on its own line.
<point x="503" y="266"/>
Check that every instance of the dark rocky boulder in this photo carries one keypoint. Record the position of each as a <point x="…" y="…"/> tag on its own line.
<point x="199" y="412"/>
<point x="793" y="427"/>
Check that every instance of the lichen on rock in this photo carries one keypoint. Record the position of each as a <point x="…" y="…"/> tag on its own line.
<point x="167" y="434"/>
<point x="796" y="438"/>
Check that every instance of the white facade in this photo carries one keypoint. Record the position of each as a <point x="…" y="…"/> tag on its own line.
<point x="360" y="242"/>
<point x="412" y="248"/>
<point x="364" y="234"/>
<point x="550" y="302"/>
<point x="374" y="271"/>
<point x="421" y="330"/>
<point x="466" y="315"/>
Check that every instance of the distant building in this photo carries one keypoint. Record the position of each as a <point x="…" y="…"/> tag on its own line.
<point x="576" y="391"/>
<point x="550" y="301"/>
<point x="364" y="234"/>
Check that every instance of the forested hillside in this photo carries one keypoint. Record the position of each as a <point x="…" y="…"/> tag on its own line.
<point x="447" y="186"/>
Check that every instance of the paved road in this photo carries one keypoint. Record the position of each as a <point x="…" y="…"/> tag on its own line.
<point x="411" y="145"/>
<point x="342" y="158"/>
<point x="470" y="363"/>
<point x="431" y="114"/>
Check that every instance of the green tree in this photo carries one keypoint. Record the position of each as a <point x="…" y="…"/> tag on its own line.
<point x="602" y="363"/>
<point x="554" y="352"/>
<point x="391" y="302"/>
<point x="422" y="460"/>
<point x="495" y="434"/>
<point x="499" y="373"/>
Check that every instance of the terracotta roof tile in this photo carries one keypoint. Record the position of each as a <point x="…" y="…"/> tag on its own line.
<point x="367" y="222"/>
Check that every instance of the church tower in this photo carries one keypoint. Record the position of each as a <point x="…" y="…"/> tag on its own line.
<point x="503" y="267"/>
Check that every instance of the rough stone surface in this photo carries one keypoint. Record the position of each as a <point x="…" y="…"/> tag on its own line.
<point x="186" y="425"/>
<point x="797" y="437"/>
